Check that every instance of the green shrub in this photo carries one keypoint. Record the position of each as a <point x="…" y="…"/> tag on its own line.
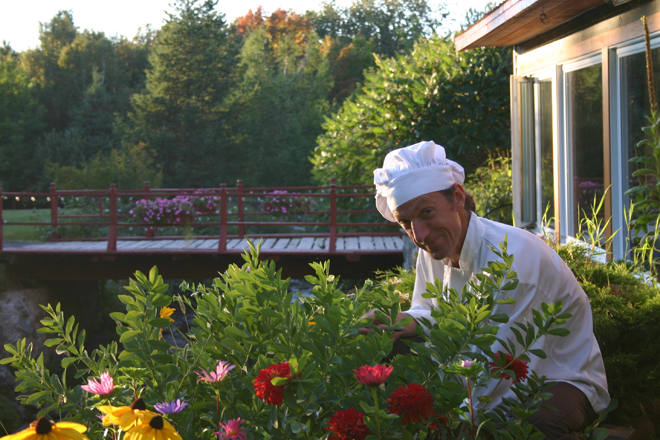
<point x="250" y="319"/>
<point x="626" y="314"/>
<point x="492" y="188"/>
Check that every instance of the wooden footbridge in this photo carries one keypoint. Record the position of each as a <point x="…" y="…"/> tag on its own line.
<point x="196" y="233"/>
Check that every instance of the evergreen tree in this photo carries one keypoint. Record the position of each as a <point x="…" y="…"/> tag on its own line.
<point x="180" y="113"/>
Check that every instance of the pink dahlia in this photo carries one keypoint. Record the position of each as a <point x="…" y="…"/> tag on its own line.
<point x="218" y="375"/>
<point x="102" y="387"/>
<point x="233" y="430"/>
<point x="373" y="376"/>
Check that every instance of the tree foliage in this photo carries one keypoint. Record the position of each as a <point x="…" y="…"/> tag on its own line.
<point x="278" y="107"/>
<point x="460" y="101"/>
<point x="180" y="113"/>
<point x="128" y="168"/>
<point x="212" y="102"/>
<point x="21" y="122"/>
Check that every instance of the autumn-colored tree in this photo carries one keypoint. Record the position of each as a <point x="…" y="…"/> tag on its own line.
<point x="279" y="24"/>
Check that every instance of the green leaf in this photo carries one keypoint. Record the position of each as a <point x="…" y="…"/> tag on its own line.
<point x="233" y="345"/>
<point x="53" y="342"/>
<point x="67" y="361"/>
<point x="36" y="396"/>
<point x="366" y="408"/>
<point x="153" y="274"/>
<point x="559" y="332"/>
<point x="278" y="381"/>
<point x="118" y="316"/>
<point x="129" y="335"/>
<point x="160" y="322"/>
<point x="69" y="325"/>
<point x="162" y="359"/>
<point x="160" y="300"/>
<point x="128" y="300"/>
<point x="233" y="331"/>
<point x="500" y="317"/>
<point x="268" y="313"/>
<point x="539" y="353"/>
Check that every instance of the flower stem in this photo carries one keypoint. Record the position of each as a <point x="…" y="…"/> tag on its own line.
<point x="471" y="407"/>
<point x="217" y="411"/>
<point x="377" y="411"/>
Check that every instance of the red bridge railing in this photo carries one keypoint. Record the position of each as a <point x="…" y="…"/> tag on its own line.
<point x="340" y="211"/>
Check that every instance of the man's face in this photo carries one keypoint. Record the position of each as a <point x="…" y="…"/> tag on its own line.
<point x="434" y="223"/>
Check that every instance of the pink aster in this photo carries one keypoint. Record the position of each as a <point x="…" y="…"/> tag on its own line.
<point x="373" y="376"/>
<point x="233" y="430"/>
<point x="218" y="375"/>
<point x="102" y="387"/>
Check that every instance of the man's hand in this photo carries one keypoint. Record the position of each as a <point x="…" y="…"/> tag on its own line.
<point x="405" y="331"/>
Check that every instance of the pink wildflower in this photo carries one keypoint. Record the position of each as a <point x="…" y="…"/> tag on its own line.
<point x="233" y="430"/>
<point x="218" y="375"/>
<point x="373" y="376"/>
<point x="102" y="387"/>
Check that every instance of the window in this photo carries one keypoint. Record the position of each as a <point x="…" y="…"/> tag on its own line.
<point x="584" y="140"/>
<point x="546" y="189"/>
<point x="533" y="150"/>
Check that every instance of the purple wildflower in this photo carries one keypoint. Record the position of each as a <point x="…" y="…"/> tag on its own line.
<point x="170" y="407"/>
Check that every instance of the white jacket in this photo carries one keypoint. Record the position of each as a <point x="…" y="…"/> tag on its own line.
<point x="544" y="277"/>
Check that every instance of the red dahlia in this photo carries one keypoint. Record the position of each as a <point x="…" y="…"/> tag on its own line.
<point x="518" y="366"/>
<point x="437" y="422"/>
<point x="266" y="391"/>
<point x="413" y="403"/>
<point x="347" y="425"/>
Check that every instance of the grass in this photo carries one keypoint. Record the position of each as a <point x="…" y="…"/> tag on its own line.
<point x="23" y="232"/>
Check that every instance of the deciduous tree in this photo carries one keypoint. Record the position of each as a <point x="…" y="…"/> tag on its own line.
<point x="458" y="100"/>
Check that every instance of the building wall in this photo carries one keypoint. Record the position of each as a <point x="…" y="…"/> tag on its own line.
<point x="588" y="127"/>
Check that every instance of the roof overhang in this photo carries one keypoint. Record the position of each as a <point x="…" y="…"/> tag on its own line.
<point x="516" y="21"/>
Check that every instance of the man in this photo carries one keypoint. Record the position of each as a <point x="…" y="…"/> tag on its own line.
<point x="419" y="188"/>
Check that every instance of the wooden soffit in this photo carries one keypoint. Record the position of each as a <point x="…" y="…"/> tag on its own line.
<point x="516" y="21"/>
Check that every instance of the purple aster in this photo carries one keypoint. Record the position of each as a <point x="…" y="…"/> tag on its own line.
<point x="170" y="407"/>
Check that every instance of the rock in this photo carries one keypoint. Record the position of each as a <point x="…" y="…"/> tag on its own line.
<point x="19" y="318"/>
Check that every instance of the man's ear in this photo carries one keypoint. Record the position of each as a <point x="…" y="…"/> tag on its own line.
<point x="459" y="195"/>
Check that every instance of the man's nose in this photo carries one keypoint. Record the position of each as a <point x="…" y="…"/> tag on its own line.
<point x="420" y="231"/>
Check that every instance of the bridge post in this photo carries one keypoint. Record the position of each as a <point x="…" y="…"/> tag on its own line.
<point x="222" y="242"/>
<point x="147" y="189"/>
<point x="239" y="191"/>
<point x="112" y="236"/>
<point x="1" y="219"/>
<point x="53" y="210"/>
<point x="332" y="246"/>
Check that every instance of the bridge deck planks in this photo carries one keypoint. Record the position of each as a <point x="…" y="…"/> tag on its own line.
<point x="286" y="244"/>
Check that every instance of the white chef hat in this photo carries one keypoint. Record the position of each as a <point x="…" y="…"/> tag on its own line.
<point x="413" y="171"/>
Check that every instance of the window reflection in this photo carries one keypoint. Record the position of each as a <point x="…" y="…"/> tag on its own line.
<point x="585" y="94"/>
<point x="545" y="151"/>
<point x="636" y="107"/>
